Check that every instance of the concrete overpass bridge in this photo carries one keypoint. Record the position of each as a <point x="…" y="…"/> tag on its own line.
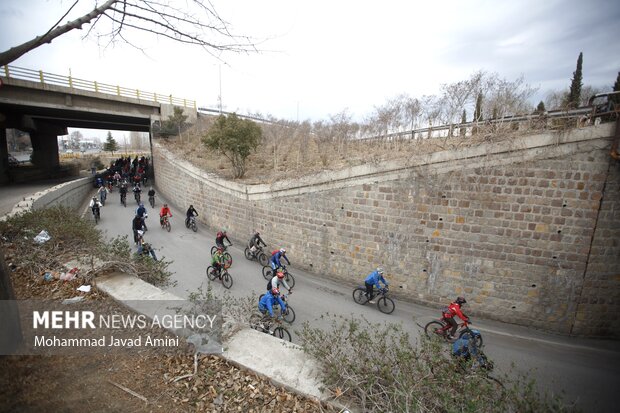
<point x="45" y="105"/>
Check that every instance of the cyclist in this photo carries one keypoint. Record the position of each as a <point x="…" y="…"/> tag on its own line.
<point x="277" y="280"/>
<point x="266" y="303"/>
<point x="141" y="212"/>
<point x="95" y="206"/>
<point x="151" y="194"/>
<point x="117" y="177"/>
<point x="165" y="211"/>
<point x="136" y="191"/>
<point x="123" y="192"/>
<point x="219" y="239"/>
<point x="189" y="214"/>
<point x="137" y="226"/>
<point x="218" y="261"/>
<point x="99" y="181"/>
<point x="465" y="347"/>
<point x="144" y="248"/>
<point x="255" y="242"/>
<point x="454" y="309"/>
<point x="374" y="279"/>
<point x="274" y="261"/>
<point x="103" y="193"/>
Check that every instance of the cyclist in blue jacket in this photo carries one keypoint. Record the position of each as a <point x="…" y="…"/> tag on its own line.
<point x="266" y="303"/>
<point x="372" y="280"/>
<point x="274" y="261"/>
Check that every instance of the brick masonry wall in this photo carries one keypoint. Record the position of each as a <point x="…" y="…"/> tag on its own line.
<point x="511" y="229"/>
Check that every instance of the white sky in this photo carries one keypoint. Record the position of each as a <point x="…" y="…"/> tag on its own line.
<point x="326" y="56"/>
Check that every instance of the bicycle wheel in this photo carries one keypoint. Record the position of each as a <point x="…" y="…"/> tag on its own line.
<point x="263" y="259"/>
<point x="168" y="227"/>
<point x="435" y="329"/>
<point x="289" y="314"/>
<point x="194" y="226"/>
<point x="359" y="295"/>
<point x="255" y="322"/>
<point x="248" y="254"/>
<point x="290" y="280"/>
<point x="96" y="218"/>
<point x="227" y="280"/>
<point x="152" y="201"/>
<point x="282" y="333"/>
<point x="211" y="273"/>
<point x="227" y="259"/>
<point x="386" y="305"/>
<point x="267" y="273"/>
<point x="213" y="249"/>
<point x="477" y="337"/>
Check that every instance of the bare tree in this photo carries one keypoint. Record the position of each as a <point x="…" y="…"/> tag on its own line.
<point x="194" y="22"/>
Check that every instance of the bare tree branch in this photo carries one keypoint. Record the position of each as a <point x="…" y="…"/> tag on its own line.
<point x="201" y="26"/>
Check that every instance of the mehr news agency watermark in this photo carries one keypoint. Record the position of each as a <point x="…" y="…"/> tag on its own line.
<point x="48" y="327"/>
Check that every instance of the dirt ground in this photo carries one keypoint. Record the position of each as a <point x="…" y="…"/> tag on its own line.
<point x="95" y="383"/>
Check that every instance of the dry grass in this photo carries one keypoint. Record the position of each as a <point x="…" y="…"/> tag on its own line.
<point x="288" y="153"/>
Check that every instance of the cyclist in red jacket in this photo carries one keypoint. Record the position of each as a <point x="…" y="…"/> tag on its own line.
<point x="454" y="309"/>
<point x="165" y="211"/>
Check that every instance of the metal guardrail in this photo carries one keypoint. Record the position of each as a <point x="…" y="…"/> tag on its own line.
<point x="91" y="86"/>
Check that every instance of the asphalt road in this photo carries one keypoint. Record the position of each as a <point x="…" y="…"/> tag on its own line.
<point x="586" y="370"/>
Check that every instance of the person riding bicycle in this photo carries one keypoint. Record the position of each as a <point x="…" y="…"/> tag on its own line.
<point x="465" y="348"/>
<point x="165" y="211"/>
<point x="137" y="226"/>
<point x="218" y="262"/>
<point x="151" y="193"/>
<point x="95" y="206"/>
<point x="373" y="279"/>
<point x="103" y="193"/>
<point x="219" y="239"/>
<point x="274" y="261"/>
<point x="123" y="192"/>
<point x="189" y="214"/>
<point x="277" y="280"/>
<point x="255" y="241"/>
<point x="117" y="177"/>
<point x="265" y="305"/>
<point x="99" y="181"/>
<point x="136" y="190"/>
<point x="141" y="212"/>
<point x="454" y="309"/>
<point x="144" y="248"/>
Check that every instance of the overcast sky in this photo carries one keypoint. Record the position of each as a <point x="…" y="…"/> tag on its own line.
<point x="322" y="57"/>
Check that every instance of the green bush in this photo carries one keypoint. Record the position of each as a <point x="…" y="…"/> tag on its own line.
<point x="379" y="369"/>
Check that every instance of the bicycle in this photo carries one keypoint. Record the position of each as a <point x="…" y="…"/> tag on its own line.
<point x="224" y="276"/>
<point x="385" y="304"/>
<point x="165" y="223"/>
<point x="264" y="323"/>
<point x="136" y="195"/>
<point x="102" y="197"/>
<point x="152" y="201"/>
<point x="124" y="199"/>
<point x="96" y="215"/>
<point x="268" y="275"/>
<point x="192" y="223"/>
<point x="258" y="254"/>
<point x="289" y="314"/>
<point x="227" y="256"/>
<point x="440" y="328"/>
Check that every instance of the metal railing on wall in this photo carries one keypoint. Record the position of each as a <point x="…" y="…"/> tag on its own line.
<point x="14" y="72"/>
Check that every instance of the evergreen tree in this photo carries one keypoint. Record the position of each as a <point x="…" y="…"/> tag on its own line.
<point x="541" y="107"/>
<point x="574" y="95"/>
<point x="478" y="110"/>
<point x="110" y="144"/>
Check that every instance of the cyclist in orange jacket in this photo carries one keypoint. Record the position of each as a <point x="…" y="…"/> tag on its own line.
<point x="454" y="309"/>
<point x="163" y="212"/>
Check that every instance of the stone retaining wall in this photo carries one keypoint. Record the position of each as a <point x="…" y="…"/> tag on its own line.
<point x="519" y="229"/>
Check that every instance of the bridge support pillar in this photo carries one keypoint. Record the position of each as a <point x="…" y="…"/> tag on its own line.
<point x="44" y="139"/>
<point x="4" y="155"/>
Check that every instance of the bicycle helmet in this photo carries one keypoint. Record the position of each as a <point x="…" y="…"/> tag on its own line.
<point x="282" y="250"/>
<point x="380" y="270"/>
<point x="460" y="301"/>
<point x="275" y="291"/>
<point x="280" y="274"/>
<point x="165" y="205"/>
